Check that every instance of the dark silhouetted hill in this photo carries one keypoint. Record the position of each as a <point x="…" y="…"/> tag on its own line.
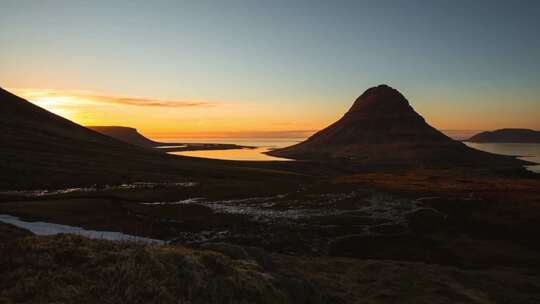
<point x="126" y="134"/>
<point x="381" y="128"/>
<point x="507" y="136"/>
<point x="40" y="149"/>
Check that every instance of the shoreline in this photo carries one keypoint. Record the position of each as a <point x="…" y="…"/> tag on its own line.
<point x="183" y="147"/>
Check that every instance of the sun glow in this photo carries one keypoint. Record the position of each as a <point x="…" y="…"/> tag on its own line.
<point x="58" y="105"/>
<point x="175" y="118"/>
<point x="73" y="106"/>
<point x="70" y="107"/>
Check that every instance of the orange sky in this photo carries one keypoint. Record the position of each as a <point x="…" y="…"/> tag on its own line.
<point x="249" y="68"/>
<point x="183" y="118"/>
<point x="165" y="118"/>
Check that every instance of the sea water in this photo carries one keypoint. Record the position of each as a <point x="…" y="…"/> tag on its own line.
<point x="247" y="154"/>
<point x="529" y="152"/>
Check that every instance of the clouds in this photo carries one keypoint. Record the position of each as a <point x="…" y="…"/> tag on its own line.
<point x="266" y="136"/>
<point x="187" y="118"/>
<point x="87" y="97"/>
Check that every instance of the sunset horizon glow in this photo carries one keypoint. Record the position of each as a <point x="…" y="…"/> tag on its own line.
<point x="215" y="68"/>
<point x="147" y="114"/>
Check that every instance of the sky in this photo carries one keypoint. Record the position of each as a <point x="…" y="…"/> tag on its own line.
<point x="249" y="68"/>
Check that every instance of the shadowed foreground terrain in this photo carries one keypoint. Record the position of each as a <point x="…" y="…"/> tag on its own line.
<point x="72" y="269"/>
<point x="330" y="230"/>
<point x="431" y="236"/>
<point x="39" y="149"/>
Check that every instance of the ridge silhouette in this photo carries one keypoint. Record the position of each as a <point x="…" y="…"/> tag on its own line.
<point x="382" y="128"/>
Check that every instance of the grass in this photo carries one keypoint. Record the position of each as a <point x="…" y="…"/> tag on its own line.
<point x="73" y="269"/>
<point x="384" y="281"/>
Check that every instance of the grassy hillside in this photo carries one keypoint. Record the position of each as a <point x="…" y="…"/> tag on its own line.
<point x="72" y="269"/>
<point x="39" y="149"/>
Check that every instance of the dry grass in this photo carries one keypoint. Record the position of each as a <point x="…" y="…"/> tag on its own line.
<point x="72" y="269"/>
<point x="384" y="281"/>
<point x="425" y="181"/>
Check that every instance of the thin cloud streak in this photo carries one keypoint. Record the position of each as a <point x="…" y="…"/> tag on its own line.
<point x="283" y="134"/>
<point x="86" y="96"/>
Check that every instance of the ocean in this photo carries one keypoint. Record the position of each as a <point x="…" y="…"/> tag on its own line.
<point x="530" y="152"/>
<point x="257" y="154"/>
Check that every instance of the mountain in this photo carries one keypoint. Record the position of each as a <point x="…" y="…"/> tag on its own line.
<point x="126" y="134"/>
<point x="132" y="136"/>
<point x="381" y="128"/>
<point x="507" y="136"/>
<point x="39" y="149"/>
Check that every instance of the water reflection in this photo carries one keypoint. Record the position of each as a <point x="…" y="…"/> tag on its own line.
<point x="256" y="154"/>
<point x="44" y="228"/>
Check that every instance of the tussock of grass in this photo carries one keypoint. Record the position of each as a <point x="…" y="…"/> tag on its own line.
<point x="73" y="269"/>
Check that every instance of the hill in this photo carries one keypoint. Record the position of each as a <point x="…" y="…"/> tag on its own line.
<point x="381" y="128"/>
<point x="132" y="136"/>
<point x="126" y="134"/>
<point x="507" y="136"/>
<point x="79" y="270"/>
<point x="73" y="269"/>
<point x="39" y="149"/>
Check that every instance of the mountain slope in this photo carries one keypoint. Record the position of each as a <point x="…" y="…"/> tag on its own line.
<point x="381" y="128"/>
<point x="507" y="136"/>
<point x="40" y="149"/>
<point x="126" y="134"/>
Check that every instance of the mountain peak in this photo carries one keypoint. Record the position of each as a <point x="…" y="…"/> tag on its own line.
<point x="382" y="128"/>
<point x="380" y="98"/>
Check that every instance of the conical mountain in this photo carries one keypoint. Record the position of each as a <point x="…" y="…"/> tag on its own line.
<point x="381" y="127"/>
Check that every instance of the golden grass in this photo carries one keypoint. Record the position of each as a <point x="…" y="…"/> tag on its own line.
<point x="72" y="269"/>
